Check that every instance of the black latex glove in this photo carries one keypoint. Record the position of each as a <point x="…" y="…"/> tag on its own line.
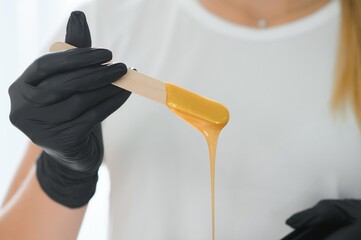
<point x="59" y="102"/>
<point x="328" y="220"/>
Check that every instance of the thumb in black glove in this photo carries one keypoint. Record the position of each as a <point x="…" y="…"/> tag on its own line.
<point x="59" y="102"/>
<point x="328" y="220"/>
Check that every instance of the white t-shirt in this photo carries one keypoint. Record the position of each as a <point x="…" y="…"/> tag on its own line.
<point x="281" y="152"/>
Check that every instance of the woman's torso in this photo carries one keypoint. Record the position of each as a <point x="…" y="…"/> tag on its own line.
<point x="281" y="152"/>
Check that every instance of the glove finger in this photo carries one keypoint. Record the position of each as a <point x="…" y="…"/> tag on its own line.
<point x="328" y="212"/>
<point x="77" y="30"/>
<point x="301" y="219"/>
<point x="59" y="62"/>
<point x="72" y="107"/>
<point x="100" y="112"/>
<point x="61" y="86"/>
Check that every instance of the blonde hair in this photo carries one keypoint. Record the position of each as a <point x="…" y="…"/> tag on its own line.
<point x="348" y="70"/>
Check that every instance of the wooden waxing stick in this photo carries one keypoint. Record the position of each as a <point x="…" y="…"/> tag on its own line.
<point x="133" y="81"/>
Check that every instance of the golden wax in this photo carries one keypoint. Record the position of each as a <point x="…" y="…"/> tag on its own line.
<point x="206" y="115"/>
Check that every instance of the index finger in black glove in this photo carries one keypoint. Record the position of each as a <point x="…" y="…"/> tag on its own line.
<point x="329" y="220"/>
<point x="63" y="61"/>
<point x="62" y="85"/>
<point x="326" y="212"/>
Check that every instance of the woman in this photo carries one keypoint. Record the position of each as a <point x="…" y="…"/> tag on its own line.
<point x="282" y="151"/>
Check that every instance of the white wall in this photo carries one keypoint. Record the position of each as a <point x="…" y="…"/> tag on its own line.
<point x="26" y="26"/>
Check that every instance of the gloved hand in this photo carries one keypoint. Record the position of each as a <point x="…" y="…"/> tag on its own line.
<point x="59" y="102"/>
<point x="328" y="220"/>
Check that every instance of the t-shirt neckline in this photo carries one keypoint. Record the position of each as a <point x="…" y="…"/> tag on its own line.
<point x="330" y="11"/>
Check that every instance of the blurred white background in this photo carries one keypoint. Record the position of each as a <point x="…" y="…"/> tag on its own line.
<point x="26" y="29"/>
